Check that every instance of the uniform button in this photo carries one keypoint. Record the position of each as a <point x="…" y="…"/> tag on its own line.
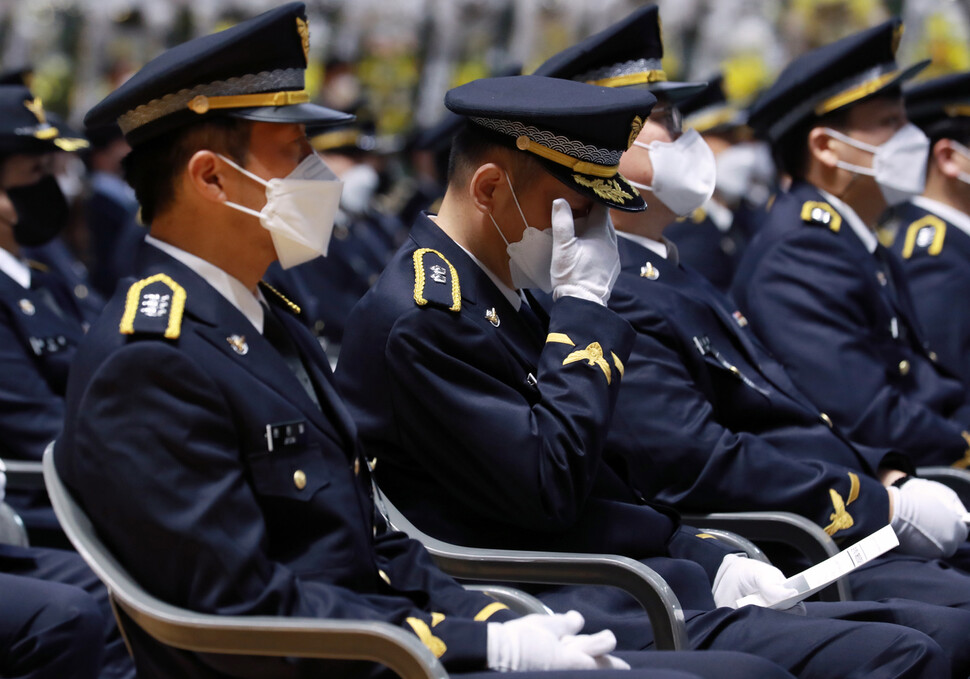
<point x="81" y="291"/>
<point x="826" y="419"/>
<point x="299" y="479"/>
<point x="933" y="356"/>
<point x="384" y="576"/>
<point x="357" y="466"/>
<point x="904" y="367"/>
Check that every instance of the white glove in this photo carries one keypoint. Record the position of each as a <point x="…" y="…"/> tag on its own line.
<point x="585" y="262"/>
<point x="927" y="518"/>
<point x="740" y="576"/>
<point x="549" y="642"/>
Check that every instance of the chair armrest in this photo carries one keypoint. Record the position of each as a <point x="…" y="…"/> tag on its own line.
<point x="738" y="542"/>
<point x="375" y="641"/>
<point x="369" y="640"/>
<point x="23" y="474"/>
<point x="518" y="601"/>
<point x="12" y="529"/>
<point x="956" y="479"/>
<point x="558" y="568"/>
<point x="782" y="527"/>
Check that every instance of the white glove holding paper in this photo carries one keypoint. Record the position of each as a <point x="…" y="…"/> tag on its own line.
<point x="927" y="518"/>
<point x="585" y="262"/>
<point x="549" y="642"/>
<point x="740" y="576"/>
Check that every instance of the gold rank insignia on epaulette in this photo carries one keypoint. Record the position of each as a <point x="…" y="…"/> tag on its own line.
<point x="435" y="280"/>
<point x="840" y="518"/>
<point x="38" y="266"/>
<point x="821" y="214"/>
<point x="154" y="306"/>
<point x="278" y="296"/>
<point x="926" y="233"/>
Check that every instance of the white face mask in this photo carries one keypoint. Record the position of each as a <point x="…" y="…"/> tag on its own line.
<point x="530" y="258"/>
<point x="360" y="185"/>
<point x="299" y="211"/>
<point x="745" y="172"/>
<point x="898" y="164"/>
<point x="684" y="172"/>
<point x="965" y="152"/>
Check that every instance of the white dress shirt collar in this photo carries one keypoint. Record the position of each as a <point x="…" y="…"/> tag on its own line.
<point x="16" y="268"/>
<point x="241" y="297"/>
<point x="864" y="233"/>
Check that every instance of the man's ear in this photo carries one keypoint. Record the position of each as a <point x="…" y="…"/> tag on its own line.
<point x="208" y="175"/>
<point x="820" y="148"/>
<point x="942" y="157"/>
<point x="482" y="187"/>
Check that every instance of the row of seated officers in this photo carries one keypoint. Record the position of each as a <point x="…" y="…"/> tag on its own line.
<point x="520" y="376"/>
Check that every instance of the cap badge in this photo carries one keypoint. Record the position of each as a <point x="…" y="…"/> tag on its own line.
<point x="238" y="344"/>
<point x="492" y="317"/>
<point x="37" y="108"/>
<point x="649" y="271"/>
<point x="303" y="28"/>
<point x="636" y="126"/>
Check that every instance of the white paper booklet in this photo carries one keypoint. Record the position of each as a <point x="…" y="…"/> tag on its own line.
<point x="825" y="573"/>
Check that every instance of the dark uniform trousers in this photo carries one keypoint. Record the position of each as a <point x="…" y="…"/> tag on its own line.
<point x="487" y="433"/>
<point x="56" y="620"/>
<point x="231" y="492"/>
<point x="842" y="323"/>
<point x="936" y="257"/>
<point x="707" y="421"/>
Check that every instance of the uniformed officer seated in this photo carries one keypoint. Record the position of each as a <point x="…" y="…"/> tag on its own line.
<point x="488" y="416"/>
<point x="707" y="421"/>
<point x="932" y="231"/>
<point x="41" y="318"/>
<point x="204" y="436"/>
<point x="825" y="297"/>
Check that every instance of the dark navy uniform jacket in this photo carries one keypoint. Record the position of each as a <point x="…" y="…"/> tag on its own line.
<point x="488" y="425"/>
<point x="842" y="323"/>
<point x="215" y="479"/>
<point x="708" y="421"/>
<point x="936" y="257"/>
<point x="711" y="252"/>
<point x="39" y="332"/>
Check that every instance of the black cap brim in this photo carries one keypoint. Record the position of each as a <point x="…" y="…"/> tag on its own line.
<point x="307" y="114"/>
<point x="615" y="192"/>
<point x="676" y="92"/>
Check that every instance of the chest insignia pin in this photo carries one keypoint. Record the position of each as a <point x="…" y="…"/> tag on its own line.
<point x="238" y="344"/>
<point x="492" y="317"/>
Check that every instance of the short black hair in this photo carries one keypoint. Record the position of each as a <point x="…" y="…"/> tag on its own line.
<point x="956" y="128"/>
<point x="791" y="151"/>
<point x="152" y="167"/>
<point x="474" y="143"/>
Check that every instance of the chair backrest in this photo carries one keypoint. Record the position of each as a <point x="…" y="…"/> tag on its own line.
<point x="170" y="625"/>
<point x="12" y="529"/>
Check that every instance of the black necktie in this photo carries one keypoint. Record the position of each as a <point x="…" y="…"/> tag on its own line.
<point x="532" y="321"/>
<point x="38" y="284"/>
<point x="276" y="334"/>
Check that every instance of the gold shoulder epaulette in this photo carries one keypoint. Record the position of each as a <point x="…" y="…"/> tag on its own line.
<point x="435" y="280"/>
<point x="154" y="306"/>
<point x="821" y="214"/>
<point x="278" y="297"/>
<point x="926" y="233"/>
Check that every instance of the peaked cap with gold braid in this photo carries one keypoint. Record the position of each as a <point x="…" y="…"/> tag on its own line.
<point x="830" y="78"/>
<point x="254" y="70"/>
<point x="576" y="131"/>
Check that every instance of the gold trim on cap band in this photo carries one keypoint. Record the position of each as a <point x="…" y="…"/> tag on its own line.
<point x="641" y="78"/>
<point x="203" y="104"/>
<point x="333" y="140"/>
<point x="954" y="110"/>
<point x="523" y="143"/>
<point x="854" y="93"/>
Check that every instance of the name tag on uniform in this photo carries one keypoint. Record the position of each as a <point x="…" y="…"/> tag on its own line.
<point x="285" y="435"/>
<point x="48" y="345"/>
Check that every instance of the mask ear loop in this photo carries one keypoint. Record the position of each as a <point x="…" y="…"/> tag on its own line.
<point x="237" y="206"/>
<point x="638" y="185"/>
<point x="515" y="198"/>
